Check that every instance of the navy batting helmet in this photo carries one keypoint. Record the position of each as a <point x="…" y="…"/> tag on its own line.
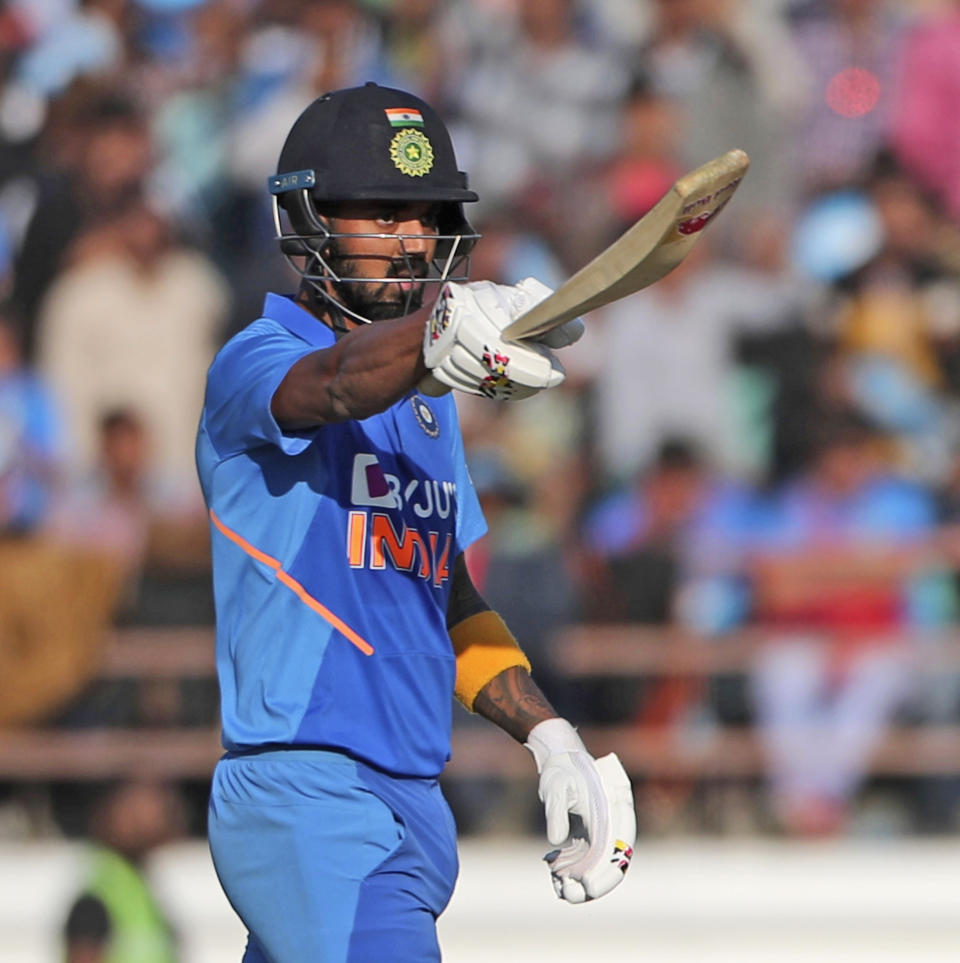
<point x="369" y="143"/>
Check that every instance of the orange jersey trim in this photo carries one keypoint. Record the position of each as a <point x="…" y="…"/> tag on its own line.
<point x="291" y="583"/>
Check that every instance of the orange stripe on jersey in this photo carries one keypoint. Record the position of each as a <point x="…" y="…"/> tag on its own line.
<point x="244" y="544"/>
<point x="324" y="612"/>
<point x="291" y="583"/>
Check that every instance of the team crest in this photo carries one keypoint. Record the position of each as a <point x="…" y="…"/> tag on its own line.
<point x="411" y="152"/>
<point x="426" y="419"/>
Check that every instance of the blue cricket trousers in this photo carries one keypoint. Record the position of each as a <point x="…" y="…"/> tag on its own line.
<point x="327" y="860"/>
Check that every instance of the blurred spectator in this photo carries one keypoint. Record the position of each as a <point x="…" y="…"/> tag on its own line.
<point x="117" y="917"/>
<point x="891" y="317"/>
<point x="651" y="547"/>
<point x="634" y="539"/>
<point x="415" y="48"/>
<point x="850" y="51"/>
<point x="31" y="443"/>
<point x="133" y="322"/>
<point x="56" y="597"/>
<point x="536" y="101"/>
<point x="667" y="363"/>
<point x="666" y="551"/>
<point x="838" y="575"/>
<point x="111" y="509"/>
<point x="93" y="156"/>
<point x="88" y="41"/>
<point x="159" y="543"/>
<point x="312" y="47"/>
<point x="731" y="69"/>
<point x="926" y="130"/>
<point x="622" y="187"/>
<point x="194" y="100"/>
<point x="509" y="251"/>
<point x="935" y="799"/>
<point x="647" y="161"/>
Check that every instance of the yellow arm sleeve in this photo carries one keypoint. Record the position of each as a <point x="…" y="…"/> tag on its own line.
<point x="484" y="647"/>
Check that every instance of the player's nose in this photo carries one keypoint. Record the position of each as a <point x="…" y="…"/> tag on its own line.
<point x="418" y="236"/>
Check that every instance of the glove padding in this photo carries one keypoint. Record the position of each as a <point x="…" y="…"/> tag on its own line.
<point x="529" y="292"/>
<point x="464" y="349"/>
<point x="596" y="790"/>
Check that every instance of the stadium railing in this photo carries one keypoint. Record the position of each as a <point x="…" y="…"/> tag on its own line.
<point x="581" y="652"/>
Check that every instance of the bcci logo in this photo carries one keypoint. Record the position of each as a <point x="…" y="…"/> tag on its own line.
<point x="426" y="419"/>
<point x="411" y="152"/>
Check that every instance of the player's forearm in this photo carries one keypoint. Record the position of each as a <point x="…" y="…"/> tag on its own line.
<point x="514" y="702"/>
<point x="365" y="372"/>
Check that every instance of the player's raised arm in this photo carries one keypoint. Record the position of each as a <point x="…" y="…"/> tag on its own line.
<point x="365" y="372"/>
<point x="454" y="343"/>
<point x="493" y="680"/>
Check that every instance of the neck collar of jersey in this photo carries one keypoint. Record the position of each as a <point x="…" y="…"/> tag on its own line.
<point x="297" y="320"/>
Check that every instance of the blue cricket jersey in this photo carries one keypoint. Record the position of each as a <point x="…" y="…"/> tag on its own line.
<point x="332" y="554"/>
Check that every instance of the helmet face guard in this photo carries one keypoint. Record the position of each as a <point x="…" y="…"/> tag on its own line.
<point x="311" y="239"/>
<point x="370" y="144"/>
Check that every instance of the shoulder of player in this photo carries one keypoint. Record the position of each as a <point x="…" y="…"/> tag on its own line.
<point x="246" y="351"/>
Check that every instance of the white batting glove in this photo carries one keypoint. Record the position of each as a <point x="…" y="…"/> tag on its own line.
<point x="529" y="292"/>
<point x="596" y="790"/>
<point x="463" y="347"/>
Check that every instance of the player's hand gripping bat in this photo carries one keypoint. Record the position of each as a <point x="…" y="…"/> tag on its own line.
<point x="653" y="247"/>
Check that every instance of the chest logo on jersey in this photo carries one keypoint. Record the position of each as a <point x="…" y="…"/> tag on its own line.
<point x="373" y="487"/>
<point x="426" y="419"/>
<point x="374" y="539"/>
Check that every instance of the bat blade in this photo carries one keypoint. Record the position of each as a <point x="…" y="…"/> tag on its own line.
<point x="650" y="249"/>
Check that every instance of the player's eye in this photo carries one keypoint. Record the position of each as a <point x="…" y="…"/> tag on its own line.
<point x="431" y="218"/>
<point x="390" y="219"/>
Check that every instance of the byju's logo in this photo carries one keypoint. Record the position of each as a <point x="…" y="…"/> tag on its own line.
<point x="372" y="487"/>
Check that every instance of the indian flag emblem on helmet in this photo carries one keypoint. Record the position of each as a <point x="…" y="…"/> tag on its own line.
<point x="404" y="117"/>
<point x="411" y="152"/>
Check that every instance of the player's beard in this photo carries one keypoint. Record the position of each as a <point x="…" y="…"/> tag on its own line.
<point x="380" y="301"/>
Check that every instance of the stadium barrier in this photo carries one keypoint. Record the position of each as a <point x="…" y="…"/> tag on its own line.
<point x="701" y="752"/>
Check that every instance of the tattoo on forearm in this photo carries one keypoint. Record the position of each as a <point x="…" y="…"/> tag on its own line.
<point x="514" y="702"/>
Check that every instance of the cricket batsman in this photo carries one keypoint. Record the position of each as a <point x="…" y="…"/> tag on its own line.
<point x="340" y="507"/>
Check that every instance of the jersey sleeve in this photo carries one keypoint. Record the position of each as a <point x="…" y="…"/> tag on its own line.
<point x="241" y="384"/>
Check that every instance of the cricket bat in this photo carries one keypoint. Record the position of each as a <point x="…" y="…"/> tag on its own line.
<point x="653" y="247"/>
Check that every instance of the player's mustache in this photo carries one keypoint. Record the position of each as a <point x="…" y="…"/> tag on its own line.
<point x="414" y="266"/>
<point x="411" y="267"/>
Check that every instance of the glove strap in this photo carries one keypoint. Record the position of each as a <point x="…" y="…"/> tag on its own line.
<point x="550" y="737"/>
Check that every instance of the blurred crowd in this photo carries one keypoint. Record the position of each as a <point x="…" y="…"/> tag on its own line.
<point x="769" y="438"/>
